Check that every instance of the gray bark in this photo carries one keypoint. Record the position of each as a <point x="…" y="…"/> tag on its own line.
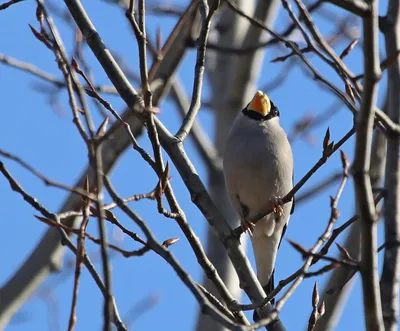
<point x="389" y="283"/>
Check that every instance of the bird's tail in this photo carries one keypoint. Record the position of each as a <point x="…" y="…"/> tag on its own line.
<point x="265" y="250"/>
<point x="267" y="289"/>
<point x="270" y="287"/>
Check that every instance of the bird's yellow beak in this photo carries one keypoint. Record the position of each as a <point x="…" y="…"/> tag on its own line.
<point x="260" y="104"/>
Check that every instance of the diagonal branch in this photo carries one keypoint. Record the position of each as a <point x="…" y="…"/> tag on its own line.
<point x="203" y="143"/>
<point x="289" y="196"/>
<point x="65" y="241"/>
<point x="171" y="260"/>
<point x="175" y="150"/>
<point x="333" y="298"/>
<point x="390" y="127"/>
<point x="46" y="257"/>
<point x="301" y="273"/>
<point x="177" y="212"/>
<point x="356" y="7"/>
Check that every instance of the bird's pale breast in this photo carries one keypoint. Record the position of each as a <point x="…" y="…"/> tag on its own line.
<point x="258" y="166"/>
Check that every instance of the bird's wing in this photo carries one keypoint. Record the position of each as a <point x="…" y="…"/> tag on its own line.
<point x="293" y="202"/>
<point x="283" y="233"/>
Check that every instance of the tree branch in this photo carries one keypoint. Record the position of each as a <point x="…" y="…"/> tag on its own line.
<point x="195" y="104"/>
<point x="391" y="264"/>
<point x="175" y="150"/>
<point x="356" y="7"/>
<point x="335" y="299"/>
<point x="301" y="273"/>
<point x="326" y="153"/>
<point x="46" y="257"/>
<point x="362" y="182"/>
<point x="171" y="260"/>
<point x="65" y="241"/>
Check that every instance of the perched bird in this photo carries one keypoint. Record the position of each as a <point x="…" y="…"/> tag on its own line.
<point x="258" y="169"/>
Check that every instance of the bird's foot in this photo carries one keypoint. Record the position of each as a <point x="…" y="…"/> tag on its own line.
<point x="247" y="226"/>
<point x="277" y="206"/>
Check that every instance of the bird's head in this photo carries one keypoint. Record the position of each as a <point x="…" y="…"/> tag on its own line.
<point x="260" y="104"/>
<point x="261" y="108"/>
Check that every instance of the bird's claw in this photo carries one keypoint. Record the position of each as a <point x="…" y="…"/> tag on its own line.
<point x="277" y="206"/>
<point x="247" y="227"/>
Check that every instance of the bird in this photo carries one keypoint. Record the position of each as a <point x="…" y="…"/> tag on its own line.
<point x="258" y="171"/>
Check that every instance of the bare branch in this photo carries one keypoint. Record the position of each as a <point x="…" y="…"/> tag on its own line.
<point x="384" y="120"/>
<point x="360" y="171"/>
<point x="163" y="174"/>
<point x="64" y="240"/>
<point x="178" y="155"/>
<point x="356" y="7"/>
<point x="336" y="232"/>
<point x="94" y="151"/>
<point x="170" y="259"/>
<point x="190" y="117"/>
<point x="390" y="277"/>
<point x="9" y="3"/>
<point x="335" y="293"/>
<point x="46" y="181"/>
<point x="301" y="273"/>
<point x="47" y="255"/>
<point x="202" y="141"/>
<point x="327" y="152"/>
<point x="78" y="264"/>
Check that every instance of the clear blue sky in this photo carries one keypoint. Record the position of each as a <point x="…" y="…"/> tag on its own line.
<point x="49" y="141"/>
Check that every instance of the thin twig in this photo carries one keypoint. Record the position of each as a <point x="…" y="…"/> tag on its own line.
<point x="200" y="138"/>
<point x="307" y="253"/>
<point x="109" y="206"/>
<point x="94" y="150"/>
<point x="78" y="264"/>
<point x="383" y="119"/>
<point x="190" y="117"/>
<point x="289" y="196"/>
<point x="303" y="270"/>
<point x="175" y="151"/>
<point x="15" y="186"/>
<point x="46" y="255"/>
<point x="165" y="187"/>
<point x="336" y="232"/>
<point x="125" y="253"/>
<point x="9" y="3"/>
<point x="31" y="69"/>
<point x="46" y="180"/>
<point x="356" y="7"/>
<point x="170" y="259"/>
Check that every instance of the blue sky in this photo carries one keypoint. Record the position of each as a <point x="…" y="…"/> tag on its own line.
<point x="48" y="140"/>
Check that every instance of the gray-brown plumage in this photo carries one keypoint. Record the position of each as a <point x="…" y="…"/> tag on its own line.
<point x="258" y="169"/>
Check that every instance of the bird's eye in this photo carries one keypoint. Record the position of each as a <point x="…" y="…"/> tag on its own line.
<point x="274" y="109"/>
